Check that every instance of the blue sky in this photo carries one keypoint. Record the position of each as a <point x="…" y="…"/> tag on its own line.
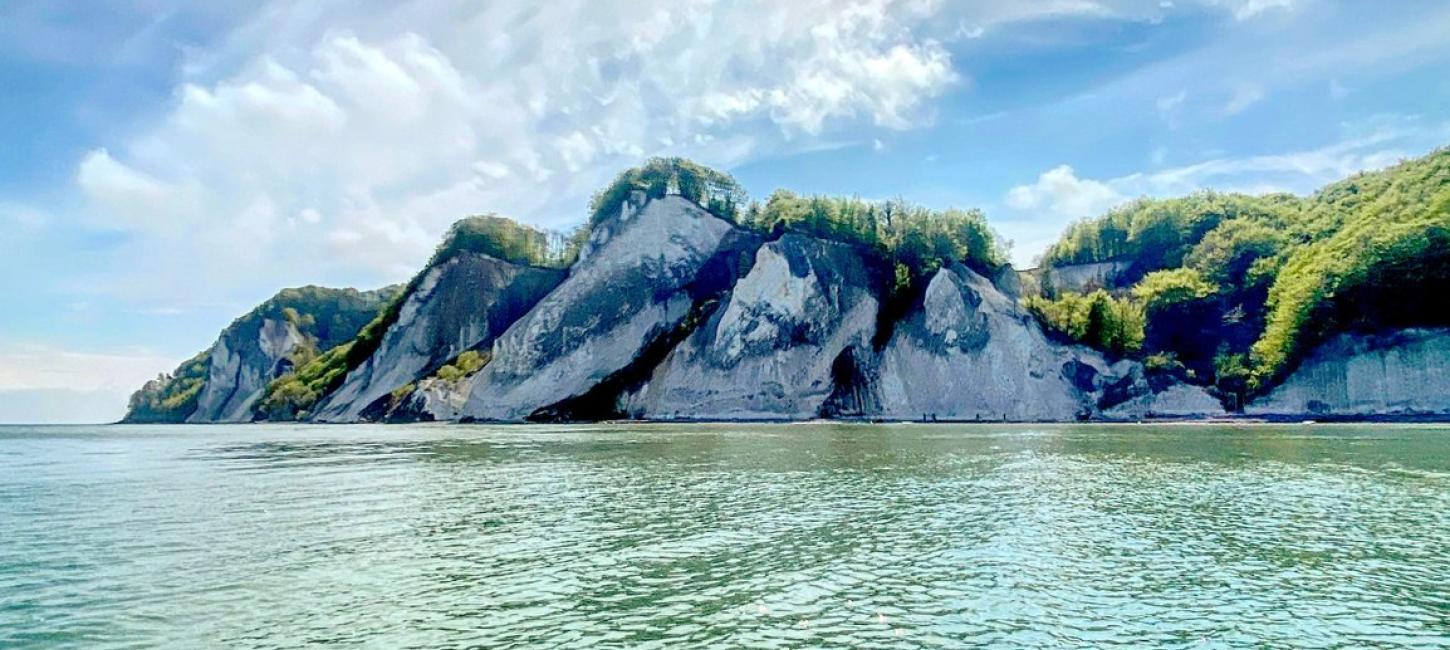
<point x="166" y="165"/>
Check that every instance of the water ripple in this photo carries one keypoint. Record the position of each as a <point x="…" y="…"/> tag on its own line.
<point x="725" y="536"/>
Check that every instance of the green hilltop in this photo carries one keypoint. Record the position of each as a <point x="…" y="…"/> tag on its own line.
<point x="1231" y="290"/>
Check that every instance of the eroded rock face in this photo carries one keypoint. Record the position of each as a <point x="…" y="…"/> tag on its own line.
<point x="967" y="352"/>
<point x="459" y="304"/>
<point x="1083" y="278"/>
<point x="1405" y="373"/>
<point x="637" y="279"/>
<point x="1134" y="397"/>
<point x="793" y="335"/>
<point x="242" y="363"/>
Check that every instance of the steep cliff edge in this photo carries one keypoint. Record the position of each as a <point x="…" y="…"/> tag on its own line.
<point x="1405" y="373"/>
<point x="222" y="384"/>
<point x="241" y="365"/>
<point x="969" y="352"/>
<point x="685" y="300"/>
<point x="460" y="304"/>
<point x="791" y="341"/>
<point x="637" y="279"/>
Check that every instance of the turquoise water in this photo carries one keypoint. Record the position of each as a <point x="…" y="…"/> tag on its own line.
<point x="725" y="536"/>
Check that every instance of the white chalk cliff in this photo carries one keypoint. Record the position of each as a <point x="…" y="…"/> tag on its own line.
<point x="1404" y="373"/>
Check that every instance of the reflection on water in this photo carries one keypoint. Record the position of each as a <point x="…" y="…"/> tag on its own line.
<point x="725" y="535"/>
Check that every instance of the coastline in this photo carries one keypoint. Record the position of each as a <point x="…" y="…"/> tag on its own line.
<point x="1278" y="420"/>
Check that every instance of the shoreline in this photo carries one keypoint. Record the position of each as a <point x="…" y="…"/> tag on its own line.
<point x="1307" y="420"/>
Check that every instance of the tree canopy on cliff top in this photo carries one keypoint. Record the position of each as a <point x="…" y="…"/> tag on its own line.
<point x="919" y="238"/>
<point x="1287" y="272"/>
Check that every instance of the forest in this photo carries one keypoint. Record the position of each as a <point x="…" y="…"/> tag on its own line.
<point x="1231" y="291"/>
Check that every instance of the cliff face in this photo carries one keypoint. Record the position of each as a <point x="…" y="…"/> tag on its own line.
<point x="967" y="352"/>
<point x="241" y="366"/>
<point x="1083" y="278"/>
<point x="258" y="347"/>
<point x="1406" y="373"/>
<point x="637" y="279"/>
<point x="463" y="303"/>
<point x="672" y="313"/>
<point x="791" y="341"/>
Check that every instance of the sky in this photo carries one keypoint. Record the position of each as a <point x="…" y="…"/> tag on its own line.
<point x="167" y="165"/>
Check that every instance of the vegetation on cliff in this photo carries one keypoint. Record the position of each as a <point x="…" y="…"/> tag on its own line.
<point x="914" y="239"/>
<point x="291" y="395"/>
<point x="713" y="190"/>
<point x="1226" y="290"/>
<point x="170" y="397"/>
<point x="1235" y="289"/>
<point x="324" y="317"/>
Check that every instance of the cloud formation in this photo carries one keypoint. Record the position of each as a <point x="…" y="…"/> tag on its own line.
<point x="363" y="145"/>
<point x="337" y="143"/>
<point x="1060" y="193"/>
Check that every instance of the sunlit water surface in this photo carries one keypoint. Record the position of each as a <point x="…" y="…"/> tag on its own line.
<point x="725" y="536"/>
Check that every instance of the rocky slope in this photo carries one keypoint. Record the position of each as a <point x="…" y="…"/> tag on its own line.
<point x="223" y="383"/>
<point x="673" y="313"/>
<point x="638" y="278"/>
<point x="1406" y="373"/>
<point x="967" y="352"/>
<point x="241" y="365"/>
<point x="461" y="304"/>
<point x="787" y="343"/>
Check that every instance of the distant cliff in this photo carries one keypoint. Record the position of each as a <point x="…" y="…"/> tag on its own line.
<point x="223" y="383"/>
<point x="678" y="301"/>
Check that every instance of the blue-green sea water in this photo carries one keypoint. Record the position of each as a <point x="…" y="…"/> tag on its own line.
<point x="751" y="536"/>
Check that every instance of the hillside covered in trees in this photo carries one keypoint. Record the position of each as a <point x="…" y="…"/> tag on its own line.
<point x="1232" y="290"/>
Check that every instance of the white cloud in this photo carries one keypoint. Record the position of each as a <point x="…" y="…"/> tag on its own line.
<point x="1244" y="96"/>
<point x="1246" y="9"/>
<point x="133" y="195"/>
<point x="1298" y="171"/>
<point x="44" y="367"/>
<point x="1170" y="103"/>
<point x="365" y="132"/>
<point x="1060" y="193"/>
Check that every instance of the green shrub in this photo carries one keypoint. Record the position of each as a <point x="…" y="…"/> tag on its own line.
<point x="716" y="191"/>
<point x="1159" y="233"/>
<point x="293" y="395"/>
<point x="1162" y="289"/>
<point x="173" y="397"/>
<point x="910" y="237"/>
<point x="465" y="365"/>
<point x="1097" y="319"/>
<point x="508" y="240"/>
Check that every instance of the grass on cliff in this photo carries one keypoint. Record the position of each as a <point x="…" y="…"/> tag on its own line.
<point x="1239" y="288"/>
